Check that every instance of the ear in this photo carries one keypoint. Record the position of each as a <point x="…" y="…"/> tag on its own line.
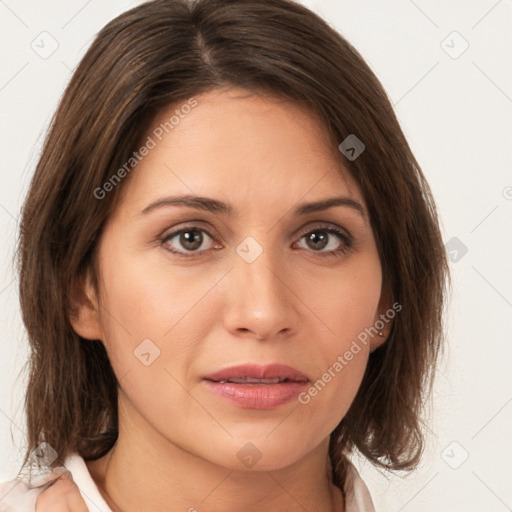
<point x="383" y="320"/>
<point x="84" y="308"/>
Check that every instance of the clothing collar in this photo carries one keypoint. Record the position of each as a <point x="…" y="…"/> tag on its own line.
<point x="357" y="496"/>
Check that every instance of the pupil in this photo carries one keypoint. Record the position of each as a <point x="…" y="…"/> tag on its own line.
<point x="191" y="242"/>
<point x="319" y="241"/>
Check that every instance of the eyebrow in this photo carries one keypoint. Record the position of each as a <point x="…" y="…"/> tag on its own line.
<point x="216" y="206"/>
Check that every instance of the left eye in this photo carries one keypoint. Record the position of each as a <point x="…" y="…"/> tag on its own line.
<point x="318" y="240"/>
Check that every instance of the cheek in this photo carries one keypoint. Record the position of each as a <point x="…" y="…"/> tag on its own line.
<point x="145" y="299"/>
<point x="155" y="320"/>
<point x="347" y="305"/>
<point x="347" y="299"/>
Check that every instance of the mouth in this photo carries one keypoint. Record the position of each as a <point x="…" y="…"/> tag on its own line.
<point x="253" y="380"/>
<point x="257" y="387"/>
<point x="258" y="374"/>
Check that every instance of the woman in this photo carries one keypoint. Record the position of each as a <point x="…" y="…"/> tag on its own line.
<point x="231" y="270"/>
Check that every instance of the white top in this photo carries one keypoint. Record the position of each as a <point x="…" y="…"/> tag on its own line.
<point x="17" y="496"/>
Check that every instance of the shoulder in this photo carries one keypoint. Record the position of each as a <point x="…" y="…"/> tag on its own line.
<point x="21" y="493"/>
<point x="82" y="477"/>
<point x="18" y="495"/>
<point x="357" y="495"/>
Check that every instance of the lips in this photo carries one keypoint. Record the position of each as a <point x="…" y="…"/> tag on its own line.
<point x="252" y="386"/>
<point x="257" y="374"/>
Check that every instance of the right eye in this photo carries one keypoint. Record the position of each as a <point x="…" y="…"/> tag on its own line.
<point x="190" y="238"/>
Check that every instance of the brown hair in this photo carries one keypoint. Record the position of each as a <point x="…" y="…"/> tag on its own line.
<point x="161" y="53"/>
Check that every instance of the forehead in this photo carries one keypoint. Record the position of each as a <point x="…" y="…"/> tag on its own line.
<point x="249" y="150"/>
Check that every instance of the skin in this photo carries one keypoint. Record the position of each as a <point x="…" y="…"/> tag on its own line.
<point x="294" y="305"/>
<point x="62" y="496"/>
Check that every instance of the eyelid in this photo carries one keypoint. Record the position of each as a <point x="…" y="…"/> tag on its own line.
<point x="319" y="225"/>
<point x="188" y="225"/>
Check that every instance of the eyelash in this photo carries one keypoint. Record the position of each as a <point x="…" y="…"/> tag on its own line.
<point x="345" y="238"/>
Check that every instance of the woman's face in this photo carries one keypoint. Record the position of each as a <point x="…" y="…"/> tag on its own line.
<point x="264" y="280"/>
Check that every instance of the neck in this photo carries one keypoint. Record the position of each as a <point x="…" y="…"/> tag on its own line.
<point x="144" y="468"/>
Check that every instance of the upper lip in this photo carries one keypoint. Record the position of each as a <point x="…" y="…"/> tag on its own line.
<point x="257" y="371"/>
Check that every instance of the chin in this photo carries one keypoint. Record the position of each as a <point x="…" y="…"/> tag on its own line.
<point x="262" y="452"/>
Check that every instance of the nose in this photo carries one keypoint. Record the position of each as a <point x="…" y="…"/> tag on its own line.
<point x="260" y="302"/>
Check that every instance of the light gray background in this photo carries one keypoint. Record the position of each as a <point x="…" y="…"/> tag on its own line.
<point x="456" y="112"/>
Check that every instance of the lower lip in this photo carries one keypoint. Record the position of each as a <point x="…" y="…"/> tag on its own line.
<point x="257" y="396"/>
